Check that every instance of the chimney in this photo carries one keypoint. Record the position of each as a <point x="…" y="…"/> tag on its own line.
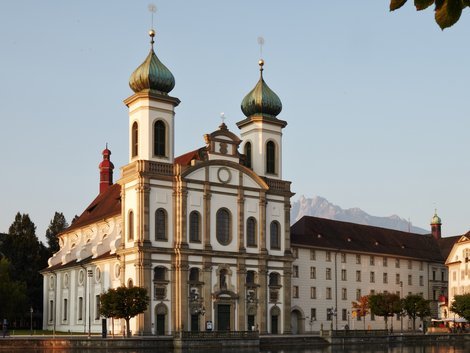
<point x="436" y="226"/>
<point x="106" y="171"/>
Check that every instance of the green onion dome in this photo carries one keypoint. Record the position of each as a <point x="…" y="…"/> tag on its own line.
<point x="435" y="219"/>
<point x="152" y="75"/>
<point x="261" y="100"/>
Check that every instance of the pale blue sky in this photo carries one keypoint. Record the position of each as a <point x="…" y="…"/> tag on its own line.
<point x="377" y="102"/>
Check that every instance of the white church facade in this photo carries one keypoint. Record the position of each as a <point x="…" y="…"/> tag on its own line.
<point x="206" y="233"/>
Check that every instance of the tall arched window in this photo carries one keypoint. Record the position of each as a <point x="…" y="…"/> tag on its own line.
<point x="194" y="226"/>
<point x="274" y="279"/>
<point x="223" y="225"/>
<point x="271" y="157"/>
<point x="251" y="231"/>
<point x="159" y="274"/>
<point x="160" y="224"/>
<point x="275" y="235"/>
<point x="193" y="274"/>
<point x="159" y="139"/>
<point x="248" y="155"/>
<point x="130" y="226"/>
<point x="135" y="139"/>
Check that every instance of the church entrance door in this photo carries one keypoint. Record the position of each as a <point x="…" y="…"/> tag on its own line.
<point x="194" y="322"/>
<point x="223" y="317"/>
<point x="160" y="324"/>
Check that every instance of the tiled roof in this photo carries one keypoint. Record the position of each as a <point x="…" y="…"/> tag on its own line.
<point x="105" y="205"/>
<point x="185" y="159"/>
<point x="337" y="235"/>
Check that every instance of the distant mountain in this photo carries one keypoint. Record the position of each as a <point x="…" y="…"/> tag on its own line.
<point x="321" y="207"/>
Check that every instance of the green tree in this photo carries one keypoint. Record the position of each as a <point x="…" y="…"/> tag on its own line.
<point x="361" y="308"/>
<point x="446" y="12"/>
<point x="461" y="306"/>
<point x="56" y="226"/>
<point x="414" y="305"/>
<point x="12" y="293"/>
<point x="386" y="305"/>
<point x="124" y="303"/>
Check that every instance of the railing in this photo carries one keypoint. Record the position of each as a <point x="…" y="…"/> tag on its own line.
<point x="218" y="334"/>
<point x="278" y="185"/>
<point x="359" y="333"/>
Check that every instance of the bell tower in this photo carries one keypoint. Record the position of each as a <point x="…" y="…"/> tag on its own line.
<point x="151" y="110"/>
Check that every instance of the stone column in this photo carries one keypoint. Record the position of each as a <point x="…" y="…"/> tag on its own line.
<point x="207" y="289"/>
<point x="206" y="233"/>
<point x="287" y="297"/>
<point x="241" y="280"/>
<point x="262" y="222"/>
<point x="263" y="298"/>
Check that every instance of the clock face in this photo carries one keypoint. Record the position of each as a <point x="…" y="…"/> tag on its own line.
<point x="224" y="175"/>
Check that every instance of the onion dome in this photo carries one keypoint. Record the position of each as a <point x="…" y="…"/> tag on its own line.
<point x="435" y="219"/>
<point x="261" y="100"/>
<point x="152" y="75"/>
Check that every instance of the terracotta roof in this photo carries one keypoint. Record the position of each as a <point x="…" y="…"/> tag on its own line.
<point x="185" y="159"/>
<point x="105" y="205"/>
<point x="337" y="235"/>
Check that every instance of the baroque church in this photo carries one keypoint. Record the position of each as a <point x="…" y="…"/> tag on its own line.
<point x="206" y="233"/>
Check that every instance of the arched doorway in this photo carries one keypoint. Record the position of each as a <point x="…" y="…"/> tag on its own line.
<point x="161" y="314"/>
<point x="275" y="321"/>
<point x="297" y="321"/>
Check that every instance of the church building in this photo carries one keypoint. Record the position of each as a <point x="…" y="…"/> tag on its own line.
<point x="206" y="233"/>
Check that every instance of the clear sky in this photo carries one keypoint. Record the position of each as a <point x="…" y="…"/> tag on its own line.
<point x="377" y="103"/>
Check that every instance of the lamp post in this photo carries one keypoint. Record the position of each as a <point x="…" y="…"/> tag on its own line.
<point x="31" y="312"/>
<point x="90" y="275"/>
<point x="401" y="314"/>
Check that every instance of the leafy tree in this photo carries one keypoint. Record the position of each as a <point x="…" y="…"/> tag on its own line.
<point x="415" y="306"/>
<point x="385" y="304"/>
<point x="12" y="293"/>
<point x="361" y="308"/>
<point x="56" y="226"/>
<point x="447" y="12"/>
<point x="124" y="303"/>
<point x="461" y="306"/>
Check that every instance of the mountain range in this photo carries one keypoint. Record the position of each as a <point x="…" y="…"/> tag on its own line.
<point x="321" y="207"/>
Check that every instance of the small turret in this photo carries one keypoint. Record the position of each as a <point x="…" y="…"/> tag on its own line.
<point x="436" y="226"/>
<point x="106" y="170"/>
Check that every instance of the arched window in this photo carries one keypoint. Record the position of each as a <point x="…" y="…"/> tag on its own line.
<point x="275" y="235"/>
<point x="194" y="226"/>
<point x="251" y="231"/>
<point x="130" y="283"/>
<point x="159" y="139"/>
<point x="248" y="155"/>
<point x="135" y="139"/>
<point x="159" y="273"/>
<point x="270" y="158"/>
<point x="160" y="224"/>
<point x="194" y="274"/>
<point x="250" y="277"/>
<point x="274" y="279"/>
<point x="223" y="226"/>
<point x="130" y="226"/>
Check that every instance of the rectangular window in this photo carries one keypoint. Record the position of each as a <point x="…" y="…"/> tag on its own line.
<point x="372" y="292"/>
<point x="313" y="314"/>
<point x="410" y="280"/>
<point x="358" y="294"/>
<point x="343" y="258"/>
<point x="313" y="256"/>
<point x="295" y="271"/>
<point x="385" y="277"/>
<point x="344" y="276"/>
<point x="397" y="278"/>
<point x="65" y="310"/>
<point x="358" y="276"/>
<point x="329" y="314"/>
<point x="372" y="277"/>
<point x="433" y="275"/>
<point x="313" y="292"/>
<point x="328" y="256"/>
<point x="295" y="253"/>
<point x="372" y="261"/>
<point x="410" y="264"/>
<point x="51" y="310"/>
<point x="328" y="293"/>
<point x="97" y="307"/>
<point x="80" y="308"/>
<point x="454" y="275"/>
<point x="344" y="294"/>
<point x="421" y="267"/>
<point x="313" y="272"/>
<point x="434" y="295"/>
<point x="328" y="273"/>
<point x="421" y="280"/>
<point x="385" y="262"/>
<point x="358" y="259"/>
<point x="397" y="263"/>
<point x="344" y="314"/>
<point x="443" y="276"/>
<point x="295" y="291"/>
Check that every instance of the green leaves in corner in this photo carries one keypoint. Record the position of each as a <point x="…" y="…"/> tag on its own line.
<point x="447" y="12"/>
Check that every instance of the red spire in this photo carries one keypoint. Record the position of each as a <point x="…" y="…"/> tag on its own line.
<point x="106" y="170"/>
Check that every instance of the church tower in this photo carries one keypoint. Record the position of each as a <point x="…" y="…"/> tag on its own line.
<point x="261" y="131"/>
<point x="436" y="226"/>
<point x="151" y="111"/>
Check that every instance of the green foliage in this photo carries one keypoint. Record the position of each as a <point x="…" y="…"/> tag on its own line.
<point x="12" y="293"/>
<point x="461" y="306"/>
<point x="414" y="306"/>
<point x="385" y="304"/>
<point x="56" y="226"/>
<point x="124" y="303"/>
<point x="447" y="12"/>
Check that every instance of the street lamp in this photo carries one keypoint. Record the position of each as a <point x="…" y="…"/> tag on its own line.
<point x="90" y="275"/>
<point x="31" y="312"/>
<point x="401" y="314"/>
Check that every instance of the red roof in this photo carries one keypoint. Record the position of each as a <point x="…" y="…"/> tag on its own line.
<point x="185" y="159"/>
<point x="105" y="205"/>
